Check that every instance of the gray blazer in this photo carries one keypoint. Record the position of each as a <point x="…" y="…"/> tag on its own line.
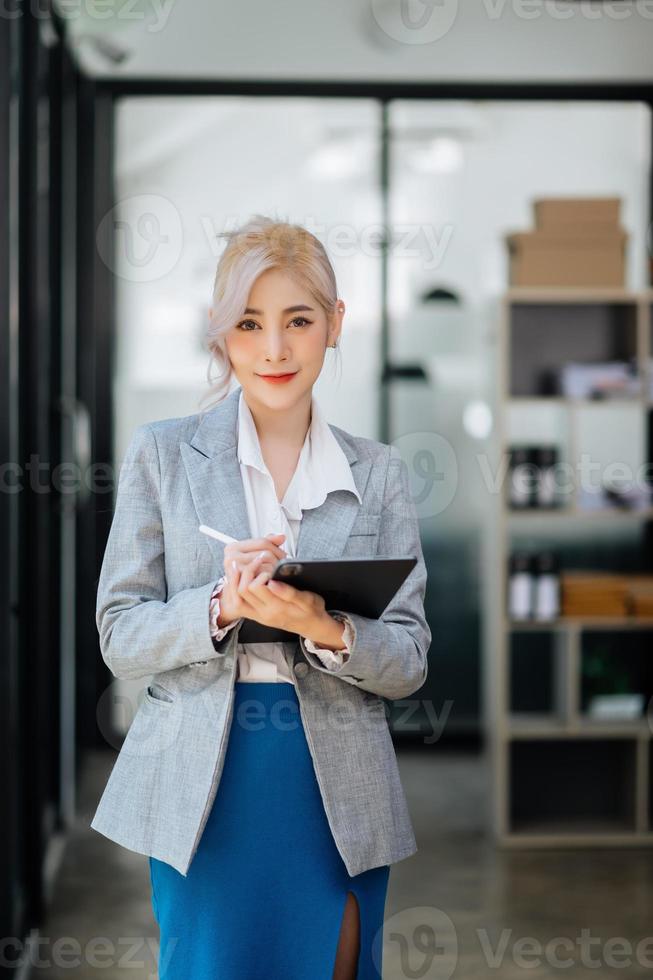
<point x="153" y="596"/>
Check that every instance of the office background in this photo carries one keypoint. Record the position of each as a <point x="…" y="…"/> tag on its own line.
<point x="414" y="161"/>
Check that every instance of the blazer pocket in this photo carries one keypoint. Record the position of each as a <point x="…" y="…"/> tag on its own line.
<point x="157" y="694"/>
<point x="365" y="524"/>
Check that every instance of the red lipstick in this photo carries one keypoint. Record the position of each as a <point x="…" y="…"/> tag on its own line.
<point x="277" y="379"/>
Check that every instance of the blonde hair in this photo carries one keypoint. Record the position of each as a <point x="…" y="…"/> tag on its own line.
<point x="261" y="243"/>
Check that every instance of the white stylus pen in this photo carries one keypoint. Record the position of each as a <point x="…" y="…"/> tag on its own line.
<point x="212" y="533"/>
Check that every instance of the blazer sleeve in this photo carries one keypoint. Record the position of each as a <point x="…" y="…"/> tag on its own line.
<point x="143" y="631"/>
<point x="389" y="654"/>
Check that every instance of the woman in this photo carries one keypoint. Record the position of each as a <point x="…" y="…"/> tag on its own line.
<point x="269" y="839"/>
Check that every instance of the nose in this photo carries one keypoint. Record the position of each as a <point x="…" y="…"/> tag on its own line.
<point x="276" y="345"/>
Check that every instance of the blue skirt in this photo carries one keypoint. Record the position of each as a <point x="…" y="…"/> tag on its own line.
<point x="266" y="890"/>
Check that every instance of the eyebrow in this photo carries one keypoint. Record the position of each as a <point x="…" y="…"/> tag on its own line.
<point x="289" y="309"/>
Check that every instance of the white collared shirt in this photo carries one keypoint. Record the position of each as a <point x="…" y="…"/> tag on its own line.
<point x="322" y="467"/>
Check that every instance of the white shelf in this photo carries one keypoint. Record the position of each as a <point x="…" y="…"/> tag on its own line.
<point x="580" y="294"/>
<point x="562" y="836"/>
<point x="580" y="623"/>
<point x="572" y="403"/>
<point x="623" y="750"/>
<point x="522" y="726"/>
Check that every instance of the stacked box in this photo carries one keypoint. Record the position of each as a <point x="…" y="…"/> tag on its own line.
<point x="577" y="242"/>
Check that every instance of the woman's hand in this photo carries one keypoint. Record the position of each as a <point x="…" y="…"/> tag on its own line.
<point x="281" y="605"/>
<point x="243" y="560"/>
<point x="250" y="593"/>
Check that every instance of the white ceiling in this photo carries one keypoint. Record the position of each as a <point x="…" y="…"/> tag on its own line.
<point x="364" y="40"/>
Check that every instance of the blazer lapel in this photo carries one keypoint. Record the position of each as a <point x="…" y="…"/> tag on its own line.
<point x="213" y="471"/>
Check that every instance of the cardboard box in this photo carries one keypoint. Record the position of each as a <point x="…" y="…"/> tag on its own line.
<point x="552" y="213"/>
<point x="543" y="258"/>
<point x="581" y="229"/>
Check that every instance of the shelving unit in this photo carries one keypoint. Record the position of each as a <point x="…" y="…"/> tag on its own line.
<point x="559" y="776"/>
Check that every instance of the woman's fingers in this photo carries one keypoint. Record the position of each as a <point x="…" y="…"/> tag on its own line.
<point x="248" y="572"/>
<point x="237" y="601"/>
<point x="247" y="561"/>
<point x="256" y="597"/>
<point x="245" y="551"/>
<point x="265" y="544"/>
<point x="266" y="554"/>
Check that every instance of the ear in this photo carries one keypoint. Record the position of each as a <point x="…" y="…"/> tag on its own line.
<point x="336" y="322"/>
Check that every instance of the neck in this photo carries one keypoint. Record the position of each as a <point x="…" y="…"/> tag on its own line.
<point x="287" y="425"/>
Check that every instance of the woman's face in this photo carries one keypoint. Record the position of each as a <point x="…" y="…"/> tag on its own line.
<point x="283" y="331"/>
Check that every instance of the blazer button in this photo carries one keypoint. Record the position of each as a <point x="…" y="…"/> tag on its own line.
<point x="301" y="669"/>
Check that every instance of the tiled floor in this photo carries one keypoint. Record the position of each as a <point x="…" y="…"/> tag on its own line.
<point x="459" y="907"/>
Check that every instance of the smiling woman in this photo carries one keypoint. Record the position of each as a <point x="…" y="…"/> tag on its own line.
<point x="275" y="309"/>
<point x="214" y="792"/>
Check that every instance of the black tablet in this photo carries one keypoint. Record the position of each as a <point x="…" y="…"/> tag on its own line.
<point x="358" y="585"/>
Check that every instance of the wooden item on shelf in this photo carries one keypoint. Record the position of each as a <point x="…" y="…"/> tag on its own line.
<point x="639" y="596"/>
<point x="600" y="593"/>
<point x="576" y="242"/>
<point x="593" y="593"/>
<point x="558" y="258"/>
<point x="594" y="213"/>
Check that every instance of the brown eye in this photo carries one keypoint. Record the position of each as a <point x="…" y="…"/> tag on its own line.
<point x="302" y="318"/>
<point x="241" y="325"/>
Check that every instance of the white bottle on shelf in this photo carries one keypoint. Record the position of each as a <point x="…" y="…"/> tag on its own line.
<point x="520" y="586"/>
<point x="546" y="587"/>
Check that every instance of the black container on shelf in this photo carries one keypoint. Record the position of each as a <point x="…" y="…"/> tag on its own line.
<point x="532" y="477"/>
<point x="544" y="491"/>
<point x="521" y="477"/>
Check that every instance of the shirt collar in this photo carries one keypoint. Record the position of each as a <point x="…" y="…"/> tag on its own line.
<point x="321" y="468"/>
